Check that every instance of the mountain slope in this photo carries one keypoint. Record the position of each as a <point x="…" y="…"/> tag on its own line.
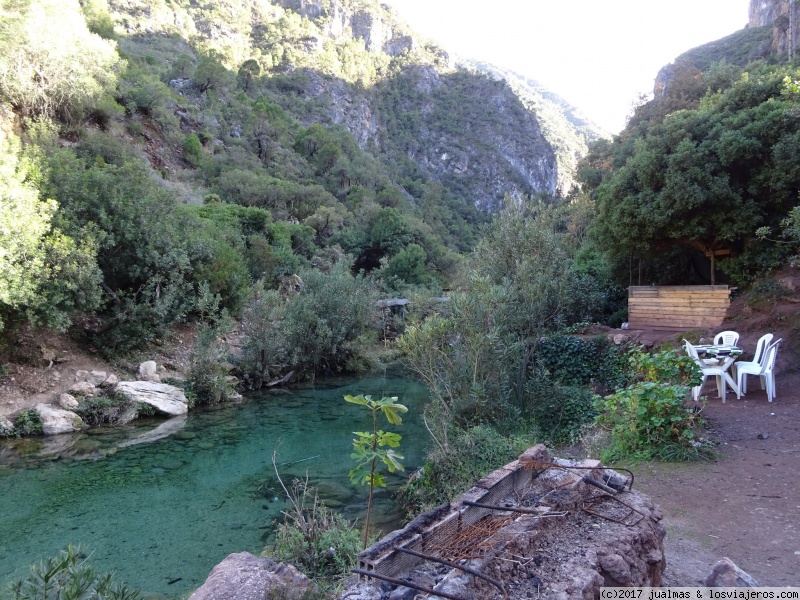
<point x="353" y="63"/>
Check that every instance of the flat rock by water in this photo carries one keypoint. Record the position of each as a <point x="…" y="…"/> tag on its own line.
<point x="166" y="399"/>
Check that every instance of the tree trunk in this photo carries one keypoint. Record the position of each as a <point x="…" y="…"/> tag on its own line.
<point x="713" y="265"/>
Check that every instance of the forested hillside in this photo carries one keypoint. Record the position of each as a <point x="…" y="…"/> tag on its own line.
<point x="157" y="153"/>
<point x="702" y="184"/>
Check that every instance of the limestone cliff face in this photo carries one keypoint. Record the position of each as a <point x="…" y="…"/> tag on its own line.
<point x="335" y="20"/>
<point x="767" y="34"/>
<point x="485" y="147"/>
<point x="467" y="130"/>
<point x="782" y="16"/>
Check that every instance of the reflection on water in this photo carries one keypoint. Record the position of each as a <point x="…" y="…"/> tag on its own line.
<point x="162" y="502"/>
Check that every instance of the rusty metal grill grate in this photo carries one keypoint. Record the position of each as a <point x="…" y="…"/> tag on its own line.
<point x="470" y="541"/>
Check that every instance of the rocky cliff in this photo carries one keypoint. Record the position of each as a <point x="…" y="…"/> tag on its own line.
<point x="773" y="29"/>
<point x="782" y="17"/>
<point x="400" y="96"/>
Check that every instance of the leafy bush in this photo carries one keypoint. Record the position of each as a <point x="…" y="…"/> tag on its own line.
<point x="45" y="274"/>
<point x="448" y="472"/>
<point x="767" y="291"/>
<point x="577" y="361"/>
<point x="649" y="419"/>
<point x="321" y="323"/>
<point x="28" y="422"/>
<point x="106" y="409"/>
<point x="69" y="576"/>
<point x="192" y="149"/>
<point x="207" y="374"/>
<point x="78" y="75"/>
<point x="560" y="412"/>
<point x="320" y="542"/>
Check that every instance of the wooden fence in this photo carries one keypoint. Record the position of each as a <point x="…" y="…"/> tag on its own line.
<point x="677" y="307"/>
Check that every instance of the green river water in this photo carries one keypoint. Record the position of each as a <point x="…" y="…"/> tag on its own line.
<point x="161" y="502"/>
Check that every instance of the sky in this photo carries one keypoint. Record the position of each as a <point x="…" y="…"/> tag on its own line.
<point x="599" y="55"/>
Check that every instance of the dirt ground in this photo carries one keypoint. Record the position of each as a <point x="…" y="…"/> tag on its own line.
<point x="745" y="504"/>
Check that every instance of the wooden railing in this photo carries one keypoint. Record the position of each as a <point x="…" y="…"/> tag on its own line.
<point x="677" y="307"/>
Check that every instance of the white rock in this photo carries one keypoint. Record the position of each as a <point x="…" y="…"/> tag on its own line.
<point x="6" y="426"/>
<point x="166" y="399"/>
<point x="96" y="377"/>
<point x="81" y="375"/>
<point x="243" y="576"/>
<point x="56" y="420"/>
<point x="83" y="388"/>
<point x="67" y="401"/>
<point x="110" y="381"/>
<point x="148" y="371"/>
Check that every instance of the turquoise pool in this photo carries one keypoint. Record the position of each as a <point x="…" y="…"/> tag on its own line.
<point x="162" y="502"/>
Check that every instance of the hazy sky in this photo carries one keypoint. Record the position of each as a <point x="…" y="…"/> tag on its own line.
<point x="599" y="55"/>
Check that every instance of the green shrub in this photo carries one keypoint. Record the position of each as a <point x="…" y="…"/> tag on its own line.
<point x="319" y="323"/>
<point x="649" y="419"/>
<point x="577" y="361"/>
<point x="207" y="374"/>
<point x="767" y="292"/>
<point x="318" y="541"/>
<point x="452" y="470"/>
<point x="69" y="576"/>
<point x="102" y="410"/>
<point x="560" y="412"/>
<point x="28" y="422"/>
<point x="192" y="149"/>
<point x="670" y="366"/>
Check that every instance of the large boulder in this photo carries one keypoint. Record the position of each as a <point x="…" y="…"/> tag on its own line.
<point x="96" y="377"/>
<point x="166" y="399"/>
<point x="243" y="576"/>
<point x="726" y="574"/>
<point x="148" y="371"/>
<point x="67" y="401"/>
<point x="56" y="420"/>
<point x="83" y="388"/>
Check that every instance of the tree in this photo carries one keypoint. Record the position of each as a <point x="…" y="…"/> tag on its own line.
<point x="704" y="178"/>
<point x="211" y="73"/>
<point x="248" y="73"/>
<point x="43" y="273"/>
<point x="371" y="448"/>
<point x="51" y="65"/>
<point x="408" y="265"/>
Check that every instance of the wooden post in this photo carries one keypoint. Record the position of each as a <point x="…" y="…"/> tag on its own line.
<point x="712" y="267"/>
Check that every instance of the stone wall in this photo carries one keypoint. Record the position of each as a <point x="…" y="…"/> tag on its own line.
<point x="565" y="538"/>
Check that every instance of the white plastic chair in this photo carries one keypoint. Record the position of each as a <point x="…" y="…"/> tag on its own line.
<point x="761" y="346"/>
<point x="723" y="338"/>
<point x="726" y="338"/>
<point x="765" y="370"/>
<point x="708" y="371"/>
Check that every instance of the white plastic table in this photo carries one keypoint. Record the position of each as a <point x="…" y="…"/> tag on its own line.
<point x="728" y="355"/>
